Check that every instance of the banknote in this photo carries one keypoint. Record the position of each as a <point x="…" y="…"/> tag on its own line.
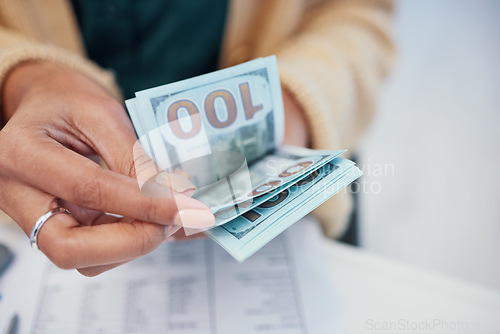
<point x="275" y="172"/>
<point x="285" y="166"/>
<point x="224" y="130"/>
<point x="246" y="234"/>
<point x="238" y="109"/>
<point x="277" y="169"/>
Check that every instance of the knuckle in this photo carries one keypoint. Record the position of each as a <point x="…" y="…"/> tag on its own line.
<point x="63" y="261"/>
<point x="110" y="104"/>
<point x="105" y="106"/>
<point x="149" y="240"/>
<point x="60" y="255"/>
<point x="88" y="193"/>
<point x="151" y="210"/>
<point x="159" y="210"/>
<point x="129" y="168"/>
<point x="97" y="106"/>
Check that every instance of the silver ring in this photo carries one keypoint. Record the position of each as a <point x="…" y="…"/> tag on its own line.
<point x="39" y="223"/>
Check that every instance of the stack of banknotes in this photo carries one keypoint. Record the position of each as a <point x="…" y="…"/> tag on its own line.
<point x="225" y="131"/>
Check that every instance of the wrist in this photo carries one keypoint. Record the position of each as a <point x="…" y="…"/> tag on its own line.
<point x="20" y="81"/>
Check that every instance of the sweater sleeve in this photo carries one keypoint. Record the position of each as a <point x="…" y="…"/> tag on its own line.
<point x="334" y="66"/>
<point x="16" y="49"/>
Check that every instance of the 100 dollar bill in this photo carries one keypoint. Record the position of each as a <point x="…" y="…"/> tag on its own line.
<point x="225" y="130"/>
<point x="238" y="109"/>
<point x="272" y="174"/>
<point x="276" y="172"/>
<point x="246" y="234"/>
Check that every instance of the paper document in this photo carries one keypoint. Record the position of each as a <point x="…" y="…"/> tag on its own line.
<point x="196" y="287"/>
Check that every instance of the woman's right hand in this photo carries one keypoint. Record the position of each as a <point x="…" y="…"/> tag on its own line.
<point x="57" y="118"/>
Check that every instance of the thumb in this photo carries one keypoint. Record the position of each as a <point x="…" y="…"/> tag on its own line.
<point x="116" y="143"/>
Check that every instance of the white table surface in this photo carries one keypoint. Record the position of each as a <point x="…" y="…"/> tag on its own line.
<point x="374" y="292"/>
<point x="377" y="295"/>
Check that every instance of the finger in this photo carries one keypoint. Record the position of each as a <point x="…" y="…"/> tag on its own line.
<point x="90" y="217"/>
<point x="148" y="174"/>
<point x="70" y="245"/>
<point x="180" y="236"/>
<point x="97" y="270"/>
<point x="82" y="215"/>
<point x="122" y="152"/>
<point x="176" y="181"/>
<point x="15" y="197"/>
<point x="109" y="122"/>
<point x="76" y="179"/>
<point x="103" y="244"/>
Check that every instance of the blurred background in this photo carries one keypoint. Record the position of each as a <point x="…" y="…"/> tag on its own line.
<point x="431" y="191"/>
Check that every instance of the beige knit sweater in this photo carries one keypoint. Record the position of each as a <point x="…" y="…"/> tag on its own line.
<point x="332" y="56"/>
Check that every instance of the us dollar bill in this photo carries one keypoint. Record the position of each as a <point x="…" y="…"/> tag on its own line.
<point x="274" y="173"/>
<point x="249" y="232"/>
<point x="238" y="109"/>
<point x="225" y="131"/>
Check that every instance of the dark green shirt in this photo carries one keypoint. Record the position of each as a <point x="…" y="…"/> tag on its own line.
<point x="152" y="42"/>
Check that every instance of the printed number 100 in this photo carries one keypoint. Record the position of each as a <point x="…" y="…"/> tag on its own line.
<point x="227" y="97"/>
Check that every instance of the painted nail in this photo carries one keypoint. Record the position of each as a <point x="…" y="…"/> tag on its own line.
<point x="182" y="173"/>
<point x="194" y="218"/>
<point x="175" y="181"/>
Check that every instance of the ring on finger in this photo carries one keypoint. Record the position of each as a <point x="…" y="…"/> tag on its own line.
<point x="39" y="223"/>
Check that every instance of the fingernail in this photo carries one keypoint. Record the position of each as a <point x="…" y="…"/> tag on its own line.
<point x="175" y="181"/>
<point x="194" y="218"/>
<point x="182" y="173"/>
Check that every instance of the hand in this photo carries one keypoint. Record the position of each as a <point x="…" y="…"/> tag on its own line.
<point x="296" y="127"/>
<point x="57" y="117"/>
